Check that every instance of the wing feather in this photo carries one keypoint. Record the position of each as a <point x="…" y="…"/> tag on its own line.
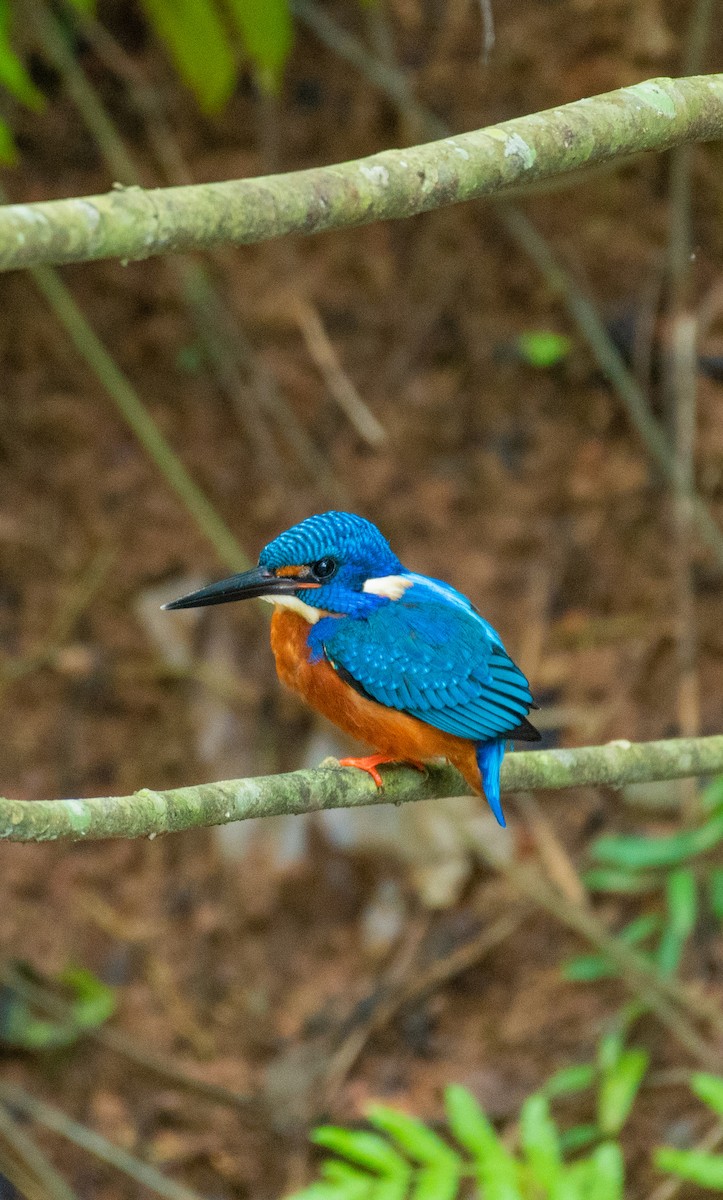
<point x="434" y="658"/>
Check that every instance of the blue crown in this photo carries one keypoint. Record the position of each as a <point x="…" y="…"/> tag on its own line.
<point x="344" y="536"/>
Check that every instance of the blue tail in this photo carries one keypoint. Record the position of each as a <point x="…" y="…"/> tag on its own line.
<point x="489" y="761"/>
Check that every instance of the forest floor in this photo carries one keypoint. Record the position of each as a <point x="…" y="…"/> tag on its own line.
<point x="262" y="968"/>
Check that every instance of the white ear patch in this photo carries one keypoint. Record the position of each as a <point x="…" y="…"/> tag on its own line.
<point x="392" y="587"/>
<point x="298" y="606"/>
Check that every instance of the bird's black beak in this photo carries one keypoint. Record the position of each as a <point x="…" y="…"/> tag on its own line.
<point x="248" y="586"/>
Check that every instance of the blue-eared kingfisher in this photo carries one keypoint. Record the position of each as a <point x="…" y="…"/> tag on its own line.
<point x="401" y="661"/>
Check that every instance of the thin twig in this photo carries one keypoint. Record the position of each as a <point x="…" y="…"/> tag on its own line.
<point x="558" y="864"/>
<point x="94" y="1143"/>
<point x="81" y="595"/>
<point x="227" y="343"/>
<point x="660" y="994"/>
<point x="681" y="382"/>
<point x="414" y="988"/>
<point x="142" y="94"/>
<point x="137" y="416"/>
<point x="337" y="381"/>
<point x="611" y="364"/>
<point x="488" y="29"/>
<point x="208" y="313"/>
<point x="392" y="81"/>
<point x="43" y="1180"/>
<point x="117" y="1041"/>
<point x="89" y="345"/>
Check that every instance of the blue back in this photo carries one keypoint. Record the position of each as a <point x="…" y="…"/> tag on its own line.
<point x="431" y="655"/>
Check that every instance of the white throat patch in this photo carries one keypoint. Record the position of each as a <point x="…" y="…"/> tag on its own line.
<point x="392" y="587"/>
<point x="306" y="611"/>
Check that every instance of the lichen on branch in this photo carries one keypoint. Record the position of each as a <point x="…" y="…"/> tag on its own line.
<point x="133" y="223"/>
<point x="148" y="813"/>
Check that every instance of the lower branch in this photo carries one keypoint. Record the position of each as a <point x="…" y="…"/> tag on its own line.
<point x="147" y="813"/>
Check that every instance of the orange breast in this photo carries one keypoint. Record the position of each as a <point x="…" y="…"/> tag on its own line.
<point x="390" y="732"/>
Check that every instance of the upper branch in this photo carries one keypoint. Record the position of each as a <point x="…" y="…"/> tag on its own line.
<point x="133" y="223"/>
<point x="147" y="813"/>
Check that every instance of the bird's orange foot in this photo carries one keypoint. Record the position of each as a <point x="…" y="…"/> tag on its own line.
<point x="372" y="761"/>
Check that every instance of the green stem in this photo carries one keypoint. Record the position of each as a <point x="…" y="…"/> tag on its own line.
<point x="141" y="422"/>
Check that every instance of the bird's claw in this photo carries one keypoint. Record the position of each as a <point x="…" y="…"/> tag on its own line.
<point x="372" y="761"/>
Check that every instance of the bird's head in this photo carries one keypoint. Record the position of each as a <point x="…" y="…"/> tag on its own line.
<point x="334" y="562"/>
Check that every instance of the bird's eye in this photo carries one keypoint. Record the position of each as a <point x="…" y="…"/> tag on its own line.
<point x="324" y="568"/>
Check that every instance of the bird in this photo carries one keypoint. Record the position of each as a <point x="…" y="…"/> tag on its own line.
<point x="399" y="660"/>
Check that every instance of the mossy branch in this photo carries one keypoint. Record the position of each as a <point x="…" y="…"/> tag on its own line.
<point x="147" y="813"/>
<point x="134" y="223"/>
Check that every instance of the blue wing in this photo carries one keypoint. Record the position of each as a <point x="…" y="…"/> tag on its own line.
<point x="431" y="655"/>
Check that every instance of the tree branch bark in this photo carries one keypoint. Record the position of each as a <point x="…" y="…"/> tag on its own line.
<point x="147" y="813"/>
<point x="134" y="223"/>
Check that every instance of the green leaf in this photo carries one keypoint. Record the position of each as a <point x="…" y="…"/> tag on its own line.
<point x="468" y="1124"/>
<point x="361" y="1147"/>
<point x="267" y="32"/>
<point x="87" y="7"/>
<point x="349" y="1183"/>
<point x="570" y="1080"/>
<point x="8" y="149"/>
<point x="94" y="1001"/>
<point x="589" y="967"/>
<point x="640" y="929"/>
<point x="715" y="892"/>
<point x="199" y="46"/>
<point x="576" y="1182"/>
<point x="618" y="1089"/>
<point x="624" y="883"/>
<point x="190" y="358"/>
<point x="336" y="1171"/>
<point x="413" y="1136"/>
<point x="540" y="1141"/>
<point x="352" y="1184"/>
<point x="607" y="1176"/>
<point x="496" y="1170"/>
<point x="438" y="1182"/>
<point x="709" y="1089"/>
<point x="19" y="1028"/>
<point x="392" y="1187"/>
<point x="682" y="897"/>
<point x="611" y="1046"/>
<point x="711" y="798"/>
<point x="704" y="1169"/>
<point x="599" y="1177"/>
<point x="543" y="349"/>
<point x="578" y="1138"/>
<point x="641" y="853"/>
<point x="92" y="1004"/>
<point x="13" y="76"/>
<point x="499" y="1185"/>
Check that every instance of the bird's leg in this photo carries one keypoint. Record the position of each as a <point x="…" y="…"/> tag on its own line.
<point x="372" y="761"/>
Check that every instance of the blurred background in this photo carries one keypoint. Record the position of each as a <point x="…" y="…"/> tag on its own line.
<point x="161" y="421"/>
